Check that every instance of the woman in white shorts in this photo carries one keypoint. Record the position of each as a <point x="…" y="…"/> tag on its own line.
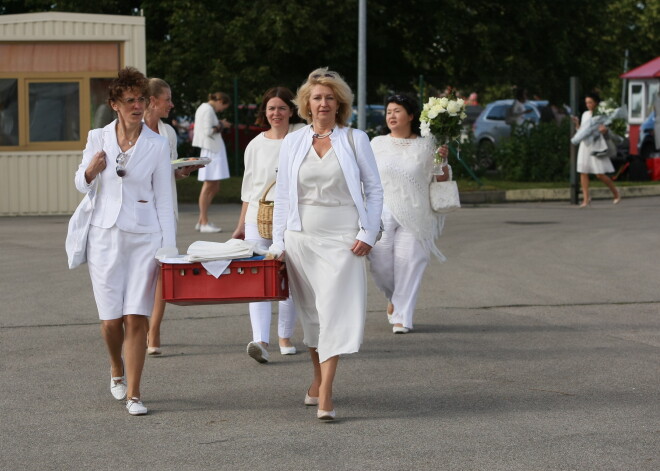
<point x="261" y="159"/>
<point x="208" y="137"/>
<point x="128" y="166"/>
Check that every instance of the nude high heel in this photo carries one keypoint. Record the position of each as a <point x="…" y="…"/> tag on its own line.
<point x="585" y="203"/>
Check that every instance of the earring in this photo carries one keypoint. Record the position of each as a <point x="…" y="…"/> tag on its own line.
<point x="309" y="113"/>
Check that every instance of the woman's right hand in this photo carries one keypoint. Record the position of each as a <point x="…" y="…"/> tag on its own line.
<point x="239" y="232"/>
<point x="96" y="166"/>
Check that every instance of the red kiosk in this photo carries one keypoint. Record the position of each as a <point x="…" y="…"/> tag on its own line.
<point x="643" y="84"/>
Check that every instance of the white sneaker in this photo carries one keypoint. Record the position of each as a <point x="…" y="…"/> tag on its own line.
<point x="135" y="407"/>
<point x="258" y="352"/>
<point x="288" y="350"/>
<point x="400" y="330"/>
<point x="197" y="226"/>
<point x="118" y="387"/>
<point x="210" y="227"/>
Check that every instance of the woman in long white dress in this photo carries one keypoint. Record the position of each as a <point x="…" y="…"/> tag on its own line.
<point x="327" y="217"/>
<point x="405" y="163"/>
<point x="261" y="160"/>
<point x="587" y="163"/>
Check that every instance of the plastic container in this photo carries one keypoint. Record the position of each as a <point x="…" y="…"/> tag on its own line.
<point x="243" y="281"/>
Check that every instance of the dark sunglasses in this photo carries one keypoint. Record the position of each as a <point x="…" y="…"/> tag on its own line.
<point x="121" y="162"/>
<point x="397" y="98"/>
<point x="318" y="76"/>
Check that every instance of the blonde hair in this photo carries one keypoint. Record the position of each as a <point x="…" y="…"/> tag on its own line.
<point x="332" y="80"/>
<point x="156" y="86"/>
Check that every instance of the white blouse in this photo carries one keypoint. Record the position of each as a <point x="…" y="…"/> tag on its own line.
<point x="321" y="181"/>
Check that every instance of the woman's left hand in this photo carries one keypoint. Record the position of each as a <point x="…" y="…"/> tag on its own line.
<point x="361" y="248"/>
<point x="443" y="151"/>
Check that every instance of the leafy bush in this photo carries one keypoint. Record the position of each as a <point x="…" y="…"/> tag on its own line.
<point x="535" y="153"/>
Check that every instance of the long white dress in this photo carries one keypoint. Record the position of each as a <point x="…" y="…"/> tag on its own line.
<point x="327" y="281"/>
<point x="399" y="259"/>
<point x="587" y="163"/>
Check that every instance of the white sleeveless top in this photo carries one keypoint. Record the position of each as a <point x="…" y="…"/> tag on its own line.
<point x="321" y="181"/>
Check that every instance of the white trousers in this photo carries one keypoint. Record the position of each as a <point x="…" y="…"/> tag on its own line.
<point x="261" y="313"/>
<point x="397" y="263"/>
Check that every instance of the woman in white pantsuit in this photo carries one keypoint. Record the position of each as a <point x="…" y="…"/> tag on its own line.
<point x="261" y="160"/>
<point x="587" y="163"/>
<point x="405" y="163"/>
<point x="132" y="222"/>
<point x="208" y="137"/>
<point x="327" y="225"/>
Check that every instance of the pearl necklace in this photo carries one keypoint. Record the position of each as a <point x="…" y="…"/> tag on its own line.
<point x="322" y="136"/>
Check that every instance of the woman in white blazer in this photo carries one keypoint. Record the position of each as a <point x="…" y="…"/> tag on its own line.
<point x="208" y="137"/>
<point x="327" y="218"/>
<point x="128" y="166"/>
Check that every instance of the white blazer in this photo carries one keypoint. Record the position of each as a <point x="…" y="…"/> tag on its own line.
<point x="139" y="202"/>
<point x="361" y="173"/>
<point x="205" y="120"/>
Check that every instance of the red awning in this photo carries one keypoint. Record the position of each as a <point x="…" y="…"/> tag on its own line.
<point x="649" y="70"/>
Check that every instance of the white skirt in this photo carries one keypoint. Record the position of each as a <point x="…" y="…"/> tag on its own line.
<point x="328" y="282"/>
<point x="123" y="271"/>
<point x="587" y="163"/>
<point x="218" y="169"/>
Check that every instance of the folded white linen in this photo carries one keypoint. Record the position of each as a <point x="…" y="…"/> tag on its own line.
<point x="216" y="267"/>
<point x="233" y="248"/>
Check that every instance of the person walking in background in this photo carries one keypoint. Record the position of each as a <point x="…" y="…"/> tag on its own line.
<point x="159" y="105"/>
<point x="517" y="112"/>
<point x="128" y="167"/>
<point x="405" y="163"/>
<point x="587" y="163"/>
<point x="278" y="112"/>
<point x="208" y="137"/>
<point x="328" y="204"/>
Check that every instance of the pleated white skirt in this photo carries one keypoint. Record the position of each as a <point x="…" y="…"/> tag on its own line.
<point x="327" y="281"/>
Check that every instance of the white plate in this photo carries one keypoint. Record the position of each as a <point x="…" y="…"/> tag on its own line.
<point x="186" y="161"/>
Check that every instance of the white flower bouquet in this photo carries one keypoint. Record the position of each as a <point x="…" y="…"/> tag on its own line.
<point x="442" y="118"/>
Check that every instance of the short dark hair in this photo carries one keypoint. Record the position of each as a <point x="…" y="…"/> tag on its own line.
<point x="283" y="94"/>
<point x="128" y="78"/>
<point x="410" y="106"/>
<point x="220" y="96"/>
<point x="594" y="96"/>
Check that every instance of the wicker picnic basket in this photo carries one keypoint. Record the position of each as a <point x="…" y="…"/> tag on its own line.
<point x="265" y="215"/>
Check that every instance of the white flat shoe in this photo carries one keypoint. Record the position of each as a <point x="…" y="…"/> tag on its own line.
<point x="154" y="351"/>
<point x="118" y="387"/>
<point x="311" y="401"/>
<point x="134" y="406"/>
<point x="288" y="350"/>
<point x="258" y="352"/>
<point x="400" y="330"/>
<point x="209" y="228"/>
<point x="325" y="414"/>
<point x="389" y="318"/>
<point x="197" y="225"/>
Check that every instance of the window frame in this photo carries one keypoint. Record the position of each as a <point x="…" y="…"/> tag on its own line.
<point x="24" y="79"/>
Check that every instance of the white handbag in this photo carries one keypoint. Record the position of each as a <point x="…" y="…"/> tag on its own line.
<point x="76" y="236"/>
<point x="444" y="196"/>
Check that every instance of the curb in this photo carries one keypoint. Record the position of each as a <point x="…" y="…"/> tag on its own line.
<point x="548" y="194"/>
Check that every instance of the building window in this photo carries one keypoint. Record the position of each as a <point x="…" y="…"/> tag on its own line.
<point x="8" y="112"/>
<point x="54" y="111"/>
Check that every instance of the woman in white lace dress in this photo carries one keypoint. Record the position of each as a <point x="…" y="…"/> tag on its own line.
<point x="405" y="164"/>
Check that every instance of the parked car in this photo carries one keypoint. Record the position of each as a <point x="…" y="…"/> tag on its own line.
<point x="646" y="145"/>
<point x="490" y="127"/>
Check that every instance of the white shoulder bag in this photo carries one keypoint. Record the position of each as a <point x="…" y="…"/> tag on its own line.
<point x="76" y="237"/>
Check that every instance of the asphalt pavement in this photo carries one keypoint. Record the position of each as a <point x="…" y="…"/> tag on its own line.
<point x="536" y="347"/>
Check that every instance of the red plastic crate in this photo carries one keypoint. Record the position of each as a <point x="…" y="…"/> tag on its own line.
<point x="247" y="281"/>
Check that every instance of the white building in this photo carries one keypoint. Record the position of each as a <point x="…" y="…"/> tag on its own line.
<point x="54" y="72"/>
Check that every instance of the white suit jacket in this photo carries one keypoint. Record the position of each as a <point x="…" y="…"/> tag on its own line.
<point x="204" y="137"/>
<point x="361" y="175"/>
<point x="139" y="202"/>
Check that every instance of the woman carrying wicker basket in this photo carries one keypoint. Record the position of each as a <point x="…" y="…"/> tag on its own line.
<point x="261" y="158"/>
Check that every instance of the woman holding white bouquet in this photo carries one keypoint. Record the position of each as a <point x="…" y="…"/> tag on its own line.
<point x="407" y="163"/>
